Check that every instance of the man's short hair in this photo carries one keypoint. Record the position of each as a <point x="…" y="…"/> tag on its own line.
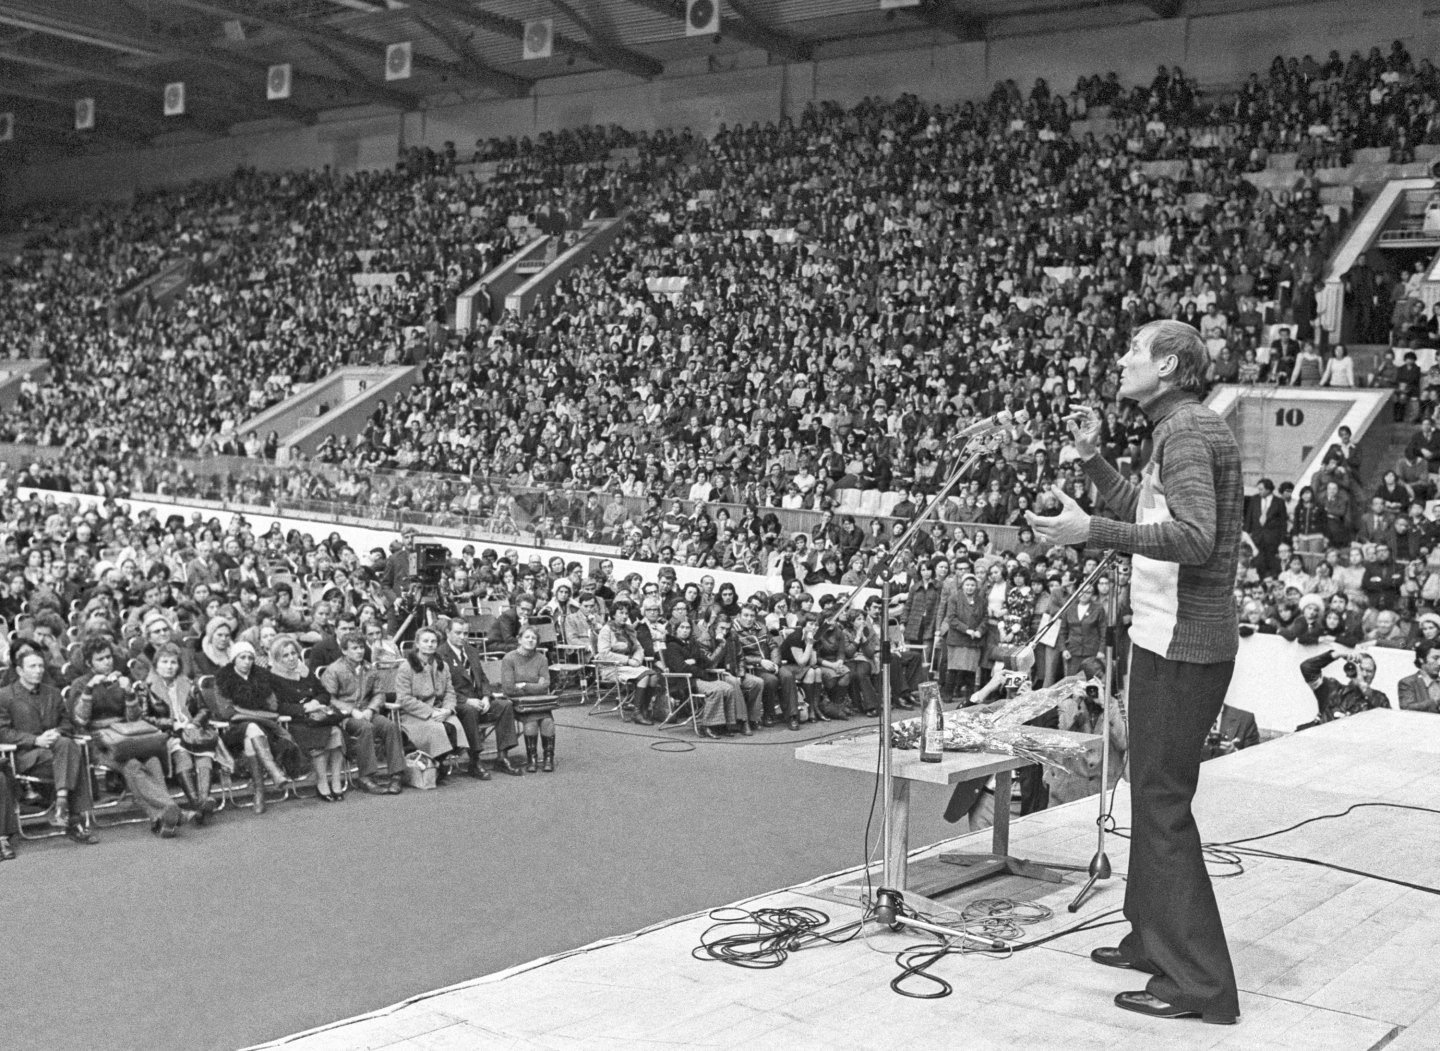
<point x="1192" y="360"/>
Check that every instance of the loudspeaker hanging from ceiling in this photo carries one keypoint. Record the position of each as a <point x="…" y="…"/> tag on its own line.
<point x="277" y="81"/>
<point x="538" y="40"/>
<point x="702" y="17"/>
<point x="398" y="61"/>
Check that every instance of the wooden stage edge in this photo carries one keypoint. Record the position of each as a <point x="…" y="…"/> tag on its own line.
<point x="1327" y="960"/>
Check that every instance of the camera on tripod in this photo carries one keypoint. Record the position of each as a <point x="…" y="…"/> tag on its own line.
<point x="427" y="582"/>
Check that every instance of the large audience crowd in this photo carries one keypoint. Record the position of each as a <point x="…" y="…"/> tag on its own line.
<point x="792" y="312"/>
<point x="844" y="289"/>
<point x="273" y="657"/>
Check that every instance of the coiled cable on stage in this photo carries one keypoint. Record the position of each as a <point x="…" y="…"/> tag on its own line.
<point x="762" y="939"/>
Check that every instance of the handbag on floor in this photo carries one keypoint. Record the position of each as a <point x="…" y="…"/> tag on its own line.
<point x="420" y="771"/>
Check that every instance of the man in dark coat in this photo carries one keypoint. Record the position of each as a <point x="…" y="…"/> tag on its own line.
<point x="35" y="718"/>
<point x="1266" y="522"/>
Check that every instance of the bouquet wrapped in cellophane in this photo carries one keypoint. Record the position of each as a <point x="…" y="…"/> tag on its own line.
<point x="1001" y="729"/>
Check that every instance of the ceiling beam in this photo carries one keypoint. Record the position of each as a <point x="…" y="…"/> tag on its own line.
<point x="163" y="46"/>
<point x="611" y="56"/>
<point x="130" y="82"/>
<point x="459" y="46"/>
<point x="945" y="16"/>
<point x="111" y="39"/>
<point x="495" y="80"/>
<point x="1163" y="8"/>
<point x="742" y="26"/>
<point x="612" y="53"/>
<point x="107" y="113"/>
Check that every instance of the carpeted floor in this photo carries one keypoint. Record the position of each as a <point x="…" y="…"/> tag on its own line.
<point x="254" y="928"/>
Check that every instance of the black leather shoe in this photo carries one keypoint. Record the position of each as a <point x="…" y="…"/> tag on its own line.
<point x="76" y="834"/>
<point x="477" y="771"/>
<point x="767" y="722"/>
<point x="7" y="852"/>
<point x="1111" y="956"/>
<point x="394" y="788"/>
<point x="370" y="786"/>
<point x="1143" y="1003"/>
<point x="709" y="734"/>
<point x="794" y="723"/>
<point x="505" y="766"/>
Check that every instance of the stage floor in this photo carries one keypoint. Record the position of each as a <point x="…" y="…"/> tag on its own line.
<point x="1327" y="960"/>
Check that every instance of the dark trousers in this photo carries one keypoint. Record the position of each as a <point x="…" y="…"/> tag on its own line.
<point x="64" y="764"/>
<point x="361" y="736"/>
<point x="783" y="693"/>
<point x="500" y="715"/>
<point x="145" y="781"/>
<point x="864" y="685"/>
<point x="1176" y="933"/>
<point x="9" y="819"/>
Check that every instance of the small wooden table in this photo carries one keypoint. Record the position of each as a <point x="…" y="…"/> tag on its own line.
<point x="932" y="877"/>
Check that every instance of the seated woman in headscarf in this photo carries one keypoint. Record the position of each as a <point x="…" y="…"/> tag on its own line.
<point x="428" y="702"/>
<point x="103" y="697"/>
<point x="260" y="637"/>
<point x="243" y="698"/>
<point x="214" y="651"/>
<point x="314" y="721"/>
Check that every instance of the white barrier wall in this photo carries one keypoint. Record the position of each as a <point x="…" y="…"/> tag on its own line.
<point x="363" y="539"/>
<point x="1268" y="684"/>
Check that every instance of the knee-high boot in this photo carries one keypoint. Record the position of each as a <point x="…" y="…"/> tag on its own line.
<point x="257" y="781"/>
<point x="207" y="806"/>
<point x="548" y="744"/>
<point x="812" y="693"/>
<point x="277" y="776"/>
<point x="187" y="785"/>
<point x="530" y="743"/>
<point x="640" y="705"/>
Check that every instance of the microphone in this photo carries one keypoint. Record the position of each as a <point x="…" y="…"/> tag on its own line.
<point x="1000" y="420"/>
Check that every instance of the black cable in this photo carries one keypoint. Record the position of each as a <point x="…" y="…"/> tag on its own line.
<point x="769" y="935"/>
<point x="870" y="820"/>
<point x="1326" y="817"/>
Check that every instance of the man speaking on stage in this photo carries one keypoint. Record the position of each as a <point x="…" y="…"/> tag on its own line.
<point x="1182" y="524"/>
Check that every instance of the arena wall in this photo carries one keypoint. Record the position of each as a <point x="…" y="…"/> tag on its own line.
<point x="1216" y="49"/>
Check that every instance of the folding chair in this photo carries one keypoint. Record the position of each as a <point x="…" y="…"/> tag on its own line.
<point x="689" y="705"/>
<point x="546" y="635"/>
<point x="610" y="696"/>
<point x="31" y="785"/>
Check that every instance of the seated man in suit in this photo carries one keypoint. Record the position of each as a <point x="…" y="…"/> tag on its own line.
<point x="505" y="630"/>
<point x="35" y="718"/>
<point x="478" y="700"/>
<point x="1421" y="692"/>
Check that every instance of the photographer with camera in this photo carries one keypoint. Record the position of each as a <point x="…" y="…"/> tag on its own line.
<point x="1084" y="713"/>
<point x="1335" y="699"/>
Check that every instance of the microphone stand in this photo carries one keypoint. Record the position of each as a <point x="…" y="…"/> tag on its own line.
<point x="889" y="908"/>
<point x="1099" y="867"/>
